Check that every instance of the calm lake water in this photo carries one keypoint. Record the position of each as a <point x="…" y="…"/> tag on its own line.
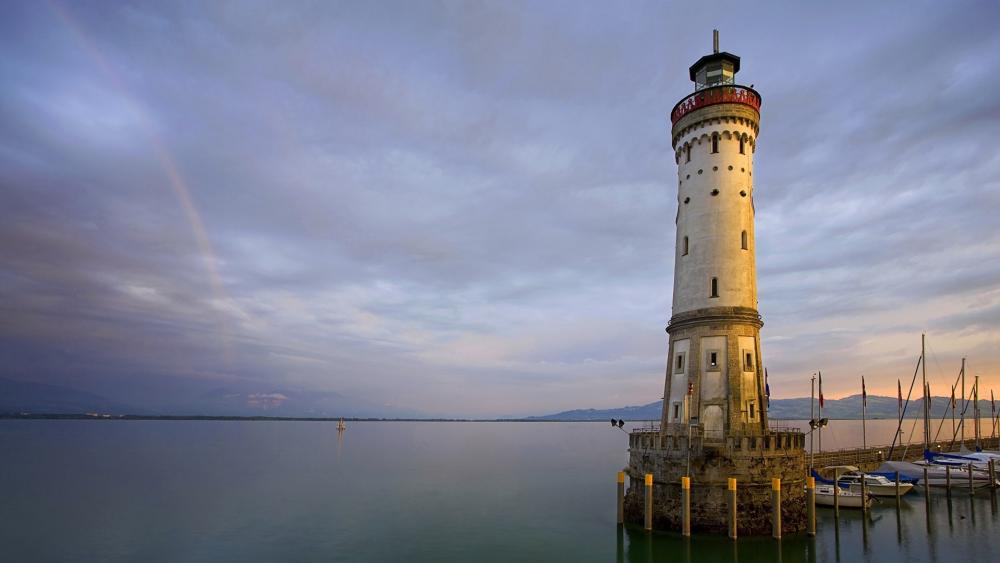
<point x="394" y="491"/>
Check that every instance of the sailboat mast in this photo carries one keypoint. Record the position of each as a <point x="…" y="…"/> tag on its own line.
<point x="923" y="371"/>
<point x="961" y="423"/>
<point x="975" y="412"/>
<point x="864" y="405"/>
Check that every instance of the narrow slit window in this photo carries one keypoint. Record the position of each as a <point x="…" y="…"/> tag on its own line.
<point x="743" y="240"/>
<point x="742" y="146"/>
<point x="753" y="411"/>
<point x="680" y="362"/>
<point x="713" y="359"/>
<point x="677" y="411"/>
<point x="749" y="361"/>
<point x="685" y="247"/>
<point x="715" y="287"/>
<point x="715" y="142"/>
<point x="688" y="155"/>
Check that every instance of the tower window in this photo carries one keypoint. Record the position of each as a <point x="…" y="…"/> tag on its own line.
<point x="677" y="409"/>
<point x="742" y="146"/>
<point x="713" y="359"/>
<point x="753" y="411"/>
<point x="688" y="151"/>
<point x="715" y="142"/>
<point x="748" y="361"/>
<point x="680" y="362"/>
<point x="715" y="287"/>
<point x="685" y="246"/>
<point x="743" y="240"/>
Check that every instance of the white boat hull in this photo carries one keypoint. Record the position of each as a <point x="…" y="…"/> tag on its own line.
<point x="882" y="490"/>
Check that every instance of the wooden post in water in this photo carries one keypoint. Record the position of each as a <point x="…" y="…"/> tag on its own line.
<point x="732" y="508"/>
<point x="685" y="506"/>
<point x="648" y="506"/>
<point x="776" y="508"/>
<point x="927" y="488"/>
<point x="811" y="506"/>
<point x="971" y="490"/>
<point x="897" y="489"/>
<point x="864" y="494"/>
<point x="836" y="495"/>
<point x="993" y="474"/>
<point x="947" y="479"/>
<point x="621" y="497"/>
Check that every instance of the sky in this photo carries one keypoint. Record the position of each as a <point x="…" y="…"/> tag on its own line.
<point x="466" y="209"/>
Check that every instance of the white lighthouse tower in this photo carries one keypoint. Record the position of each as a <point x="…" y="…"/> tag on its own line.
<point x="715" y="378"/>
<point x="713" y="432"/>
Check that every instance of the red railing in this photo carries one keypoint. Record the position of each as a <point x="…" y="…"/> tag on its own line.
<point x="727" y="94"/>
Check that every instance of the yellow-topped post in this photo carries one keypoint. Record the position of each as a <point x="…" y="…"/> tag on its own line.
<point x="731" y="494"/>
<point x="621" y="497"/>
<point x="776" y="508"/>
<point x="686" y="506"/>
<point x="649" y="501"/>
<point x="811" y="506"/>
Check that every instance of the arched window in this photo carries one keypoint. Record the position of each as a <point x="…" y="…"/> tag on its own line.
<point x="743" y="240"/>
<point x="715" y="142"/>
<point x="742" y="143"/>
<point x="687" y="150"/>
<point x="685" y="247"/>
<point x="715" y="287"/>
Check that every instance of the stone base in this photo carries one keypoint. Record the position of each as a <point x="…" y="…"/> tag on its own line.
<point x="710" y="468"/>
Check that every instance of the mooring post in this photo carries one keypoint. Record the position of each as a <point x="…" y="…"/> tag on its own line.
<point x="971" y="490"/>
<point x="685" y="506"/>
<point x="732" y="508"/>
<point x="836" y="495"/>
<point x="649" y="502"/>
<point x="927" y="488"/>
<point x="776" y="508"/>
<point x="621" y="497"/>
<point x="897" y="489"/>
<point x="811" y="506"/>
<point x="993" y="475"/>
<point x="947" y="479"/>
<point x="864" y="495"/>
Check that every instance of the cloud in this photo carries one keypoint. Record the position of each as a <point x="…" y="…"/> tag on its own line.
<point x="468" y="210"/>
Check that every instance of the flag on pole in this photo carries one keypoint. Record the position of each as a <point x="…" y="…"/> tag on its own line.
<point x="821" y="390"/>
<point x="767" y="389"/>
<point x="864" y="392"/>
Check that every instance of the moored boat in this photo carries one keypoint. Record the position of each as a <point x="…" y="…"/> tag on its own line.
<point x="845" y="498"/>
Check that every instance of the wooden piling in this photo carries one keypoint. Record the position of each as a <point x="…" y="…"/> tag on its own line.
<point x="732" y="508"/>
<point x="927" y="487"/>
<point x="897" y="489"/>
<point x="836" y="496"/>
<point x="947" y="479"/>
<point x="648" y="505"/>
<point x="811" y="506"/>
<point x="864" y="495"/>
<point x="621" y="497"/>
<point x="993" y="474"/>
<point x="972" y="490"/>
<point x="685" y="506"/>
<point x="776" y="508"/>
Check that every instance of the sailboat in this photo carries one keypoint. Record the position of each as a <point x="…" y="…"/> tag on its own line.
<point x="341" y="426"/>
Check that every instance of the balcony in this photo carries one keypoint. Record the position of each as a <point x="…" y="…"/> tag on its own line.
<point x="725" y="94"/>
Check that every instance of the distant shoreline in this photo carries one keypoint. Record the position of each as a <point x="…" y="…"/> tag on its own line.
<point x="103" y="416"/>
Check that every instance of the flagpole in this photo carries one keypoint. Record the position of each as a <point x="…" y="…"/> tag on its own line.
<point x="864" y="406"/>
<point x="812" y="415"/>
<point x="820" y="411"/>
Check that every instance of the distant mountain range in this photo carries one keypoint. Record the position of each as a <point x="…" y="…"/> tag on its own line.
<point x="40" y="398"/>
<point x="798" y="409"/>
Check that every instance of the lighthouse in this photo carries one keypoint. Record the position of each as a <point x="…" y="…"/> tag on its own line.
<point x="714" y="425"/>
